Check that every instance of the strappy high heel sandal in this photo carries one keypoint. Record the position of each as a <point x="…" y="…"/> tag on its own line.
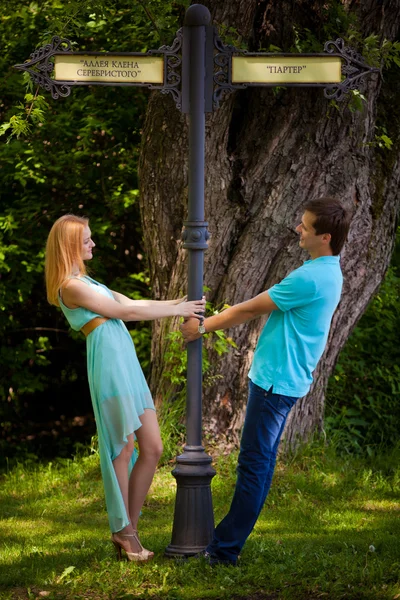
<point x="142" y="556"/>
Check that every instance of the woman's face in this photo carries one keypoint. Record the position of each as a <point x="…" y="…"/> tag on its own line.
<point x="88" y="244"/>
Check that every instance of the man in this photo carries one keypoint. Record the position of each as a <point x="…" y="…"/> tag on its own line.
<point x="301" y="307"/>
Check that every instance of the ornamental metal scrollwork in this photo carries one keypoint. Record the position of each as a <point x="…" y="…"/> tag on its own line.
<point x="354" y="68"/>
<point x="223" y="85"/>
<point x="40" y="66"/>
<point x="172" y="71"/>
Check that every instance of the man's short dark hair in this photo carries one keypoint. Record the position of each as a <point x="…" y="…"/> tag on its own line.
<point x="331" y="217"/>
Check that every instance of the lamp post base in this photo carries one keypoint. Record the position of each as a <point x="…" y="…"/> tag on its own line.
<point x="193" y="517"/>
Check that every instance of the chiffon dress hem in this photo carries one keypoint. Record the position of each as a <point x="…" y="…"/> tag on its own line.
<point x="119" y="394"/>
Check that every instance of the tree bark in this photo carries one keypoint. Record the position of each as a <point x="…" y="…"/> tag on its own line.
<point x="267" y="153"/>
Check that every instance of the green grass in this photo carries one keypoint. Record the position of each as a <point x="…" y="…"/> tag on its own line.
<point x="330" y="529"/>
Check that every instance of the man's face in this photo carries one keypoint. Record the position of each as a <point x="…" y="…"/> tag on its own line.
<point x="309" y="240"/>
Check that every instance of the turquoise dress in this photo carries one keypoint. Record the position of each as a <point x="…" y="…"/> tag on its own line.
<point x="119" y="393"/>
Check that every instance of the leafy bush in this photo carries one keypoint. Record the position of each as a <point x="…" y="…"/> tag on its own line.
<point x="363" y="398"/>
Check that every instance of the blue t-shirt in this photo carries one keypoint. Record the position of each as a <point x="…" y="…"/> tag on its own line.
<point x="294" y="337"/>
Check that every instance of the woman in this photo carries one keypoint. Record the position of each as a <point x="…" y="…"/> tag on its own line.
<point x="121" y="399"/>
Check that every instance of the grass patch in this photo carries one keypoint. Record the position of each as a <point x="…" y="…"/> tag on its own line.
<point x="330" y="529"/>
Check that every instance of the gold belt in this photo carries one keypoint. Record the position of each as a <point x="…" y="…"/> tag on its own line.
<point x="91" y="325"/>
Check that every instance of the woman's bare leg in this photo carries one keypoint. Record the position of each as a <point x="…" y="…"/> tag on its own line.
<point x="150" y="450"/>
<point x="121" y="465"/>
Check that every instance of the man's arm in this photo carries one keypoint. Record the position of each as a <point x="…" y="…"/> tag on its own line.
<point x="235" y="315"/>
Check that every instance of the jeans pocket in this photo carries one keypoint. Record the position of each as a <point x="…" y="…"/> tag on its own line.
<point x="278" y="402"/>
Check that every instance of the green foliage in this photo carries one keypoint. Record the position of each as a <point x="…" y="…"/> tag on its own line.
<point x="357" y="101"/>
<point x="382" y="54"/>
<point x="363" y="398"/>
<point x="334" y="21"/>
<point x="381" y="139"/>
<point x="337" y="22"/>
<point x="390" y="53"/>
<point x="33" y="112"/>
<point x="231" y="36"/>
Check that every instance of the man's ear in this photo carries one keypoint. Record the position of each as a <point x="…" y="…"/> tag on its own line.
<point x="326" y="237"/>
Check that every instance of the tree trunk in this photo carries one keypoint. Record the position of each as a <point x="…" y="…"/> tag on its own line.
<point x="267" y="153"/>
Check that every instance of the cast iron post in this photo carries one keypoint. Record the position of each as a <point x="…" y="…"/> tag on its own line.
<point x="193" y="518"/>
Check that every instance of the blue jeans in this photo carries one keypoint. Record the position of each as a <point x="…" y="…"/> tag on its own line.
<point x="263" y="426"/>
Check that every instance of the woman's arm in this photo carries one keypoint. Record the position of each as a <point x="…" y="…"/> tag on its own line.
<point x="78" y="294"/>
<point x="129" y="302"/>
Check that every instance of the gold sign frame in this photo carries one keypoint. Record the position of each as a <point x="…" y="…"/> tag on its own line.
<point x="107" y="67"/>
<point x="284" y="69"/>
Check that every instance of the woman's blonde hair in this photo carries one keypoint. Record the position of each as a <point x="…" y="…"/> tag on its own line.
<point x="63" y="253"/>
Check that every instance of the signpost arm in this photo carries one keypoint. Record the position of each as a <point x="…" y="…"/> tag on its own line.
<point x="193" y="518"/>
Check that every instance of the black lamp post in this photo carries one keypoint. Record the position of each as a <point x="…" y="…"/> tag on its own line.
<point x="193" y="518"/>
